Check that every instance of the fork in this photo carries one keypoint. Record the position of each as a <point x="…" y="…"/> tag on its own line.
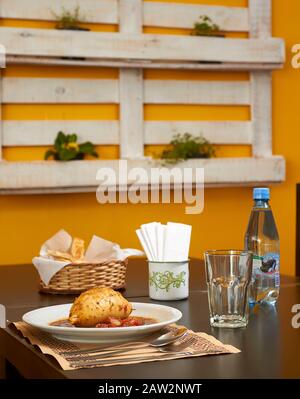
<point x="99" y="357"/>
<point x="102" y="354"/>
<point x="173" y="354"/>
<point x="159" y="342"/>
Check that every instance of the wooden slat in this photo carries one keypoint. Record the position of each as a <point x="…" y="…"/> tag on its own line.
<point x="196" y="92"/>
<point x="94" y="11"/>
<point x="38" y="175"/>
<point x="260" y="14"/>
<point x="261" y="83"/>
<point x="47" y="42"/>
<point x="176" y="15"/>
<point x="41" y="133"/>
<point x="131" y="88"/>
<point x="219" y="132"/>
<point x="131" y="16"/>
<point x="93" y="91"/>
<point x="53" y="90"/>
<point x="145" y="64"/>
<point x="106" y="11"/>
<point x="131" y="114"/>
<point x="261" y="113"/>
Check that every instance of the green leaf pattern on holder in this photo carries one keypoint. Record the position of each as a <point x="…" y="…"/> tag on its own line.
<point x="166" y="280"/>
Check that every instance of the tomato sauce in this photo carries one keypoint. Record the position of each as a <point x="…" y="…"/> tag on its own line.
<point x="112" y="322"/>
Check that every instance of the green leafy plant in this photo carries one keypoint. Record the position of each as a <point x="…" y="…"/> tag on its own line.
<point x="185" y="146"/>
<point x="66" y="148"/>
<point x="69" y="19"/>
<point x="206" y="27"/>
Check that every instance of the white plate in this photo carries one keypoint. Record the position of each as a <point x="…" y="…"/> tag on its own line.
<point x="41" y="318"/>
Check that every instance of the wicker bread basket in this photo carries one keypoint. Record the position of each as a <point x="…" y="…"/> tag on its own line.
<point x="76" y="278"/>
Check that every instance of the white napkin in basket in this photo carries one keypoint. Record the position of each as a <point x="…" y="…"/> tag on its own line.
<point x="97" y="251"/>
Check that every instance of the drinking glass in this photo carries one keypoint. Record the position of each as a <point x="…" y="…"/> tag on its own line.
<point x="228" y="275"/>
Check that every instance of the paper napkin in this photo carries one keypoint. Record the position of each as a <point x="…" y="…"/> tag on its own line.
<point x="165" y="243"/>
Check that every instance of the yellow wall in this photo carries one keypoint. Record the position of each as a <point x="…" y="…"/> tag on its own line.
<point x="26" y="221"/>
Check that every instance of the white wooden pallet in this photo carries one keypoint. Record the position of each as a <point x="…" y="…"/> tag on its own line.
<point x="132" y="51"/>
<point x="30" y="176"/>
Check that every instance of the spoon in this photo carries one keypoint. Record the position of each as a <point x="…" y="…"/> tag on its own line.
<point x="163" y="340"/>
<point x="168" y="338"/>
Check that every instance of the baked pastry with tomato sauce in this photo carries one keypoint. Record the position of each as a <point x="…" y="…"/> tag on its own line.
<point x="99" y="306"/>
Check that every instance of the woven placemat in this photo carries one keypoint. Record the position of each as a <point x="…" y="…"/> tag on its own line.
<point x="196" y="344"/>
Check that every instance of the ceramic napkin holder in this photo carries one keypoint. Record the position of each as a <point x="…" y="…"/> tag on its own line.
<point x="168" y="281"/>
<point x="167" y="250"/>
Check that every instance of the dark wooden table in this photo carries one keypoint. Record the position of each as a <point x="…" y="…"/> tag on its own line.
<point x="270" y="345"/>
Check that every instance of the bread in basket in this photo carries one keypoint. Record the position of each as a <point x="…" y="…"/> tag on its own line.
<point x="66" y="268"/>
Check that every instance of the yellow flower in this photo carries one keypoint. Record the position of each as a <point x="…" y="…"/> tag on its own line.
<point x="72" y="146"/>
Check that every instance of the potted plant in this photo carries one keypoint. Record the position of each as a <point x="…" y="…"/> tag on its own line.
<point x="70" y="20"/>
<point x="185" y="146"/>
<point x="206" y="27"/>
<point x="66" y="148"/>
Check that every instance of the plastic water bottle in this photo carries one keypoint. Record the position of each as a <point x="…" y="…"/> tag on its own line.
<point x="262" y="239"/>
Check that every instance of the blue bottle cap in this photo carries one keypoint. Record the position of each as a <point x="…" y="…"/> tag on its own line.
<point x="261" y="193"/>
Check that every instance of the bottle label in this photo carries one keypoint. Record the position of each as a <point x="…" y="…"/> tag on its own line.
<point x="266" y="264"/>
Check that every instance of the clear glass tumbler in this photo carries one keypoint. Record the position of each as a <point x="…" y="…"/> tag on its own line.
<point x="228" y="275"/>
